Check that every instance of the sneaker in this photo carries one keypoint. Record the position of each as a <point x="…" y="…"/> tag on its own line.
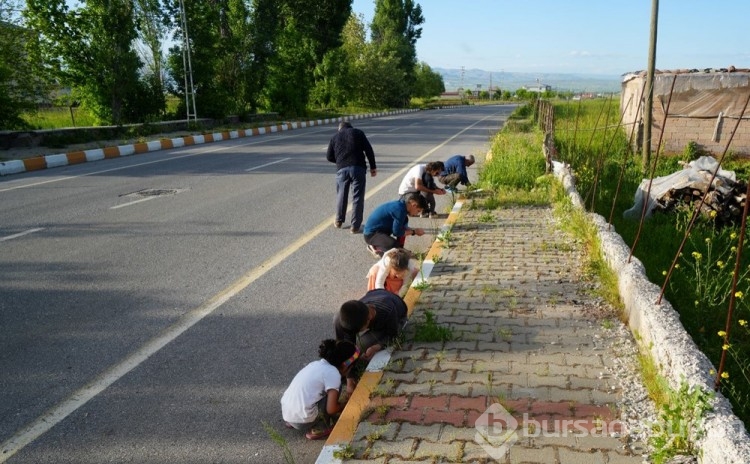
<point x="374" y="251"/>
<point x="337" y="224"/>
<point x="318" y="434"/>
<point x="355" y="230"/>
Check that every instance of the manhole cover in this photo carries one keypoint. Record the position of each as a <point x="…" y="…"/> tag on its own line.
<point x="152" y="192"/>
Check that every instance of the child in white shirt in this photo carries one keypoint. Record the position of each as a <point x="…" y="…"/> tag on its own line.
<point x="311" y="402"/>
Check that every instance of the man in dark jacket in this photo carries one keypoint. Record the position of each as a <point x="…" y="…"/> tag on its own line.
<point x="348" y="149"/>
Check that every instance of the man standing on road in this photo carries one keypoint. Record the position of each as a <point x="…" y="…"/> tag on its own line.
<point x="348" y="149"/>
<point x="454" y="172"/>
<point x="420" y="179"/>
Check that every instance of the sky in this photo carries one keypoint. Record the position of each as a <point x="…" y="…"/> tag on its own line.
<point x="602" y="37"/>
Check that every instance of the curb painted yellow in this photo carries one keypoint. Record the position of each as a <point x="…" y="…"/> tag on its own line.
<point x="343" y="431"/>
<point x="349" y="420"/>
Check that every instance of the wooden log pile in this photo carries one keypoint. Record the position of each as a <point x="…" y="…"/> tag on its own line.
<point x="724" y="203"/>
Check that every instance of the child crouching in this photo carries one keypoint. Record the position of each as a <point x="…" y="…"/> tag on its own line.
<point x="394" y="272"/>
<point x="311" y="402"/>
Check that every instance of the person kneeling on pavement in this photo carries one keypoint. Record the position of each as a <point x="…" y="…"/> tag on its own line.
<point x="388" y="224"/>
<point x="372" y="323"/>
<point x="311" y="403"/>
<point x="454" y="172"/>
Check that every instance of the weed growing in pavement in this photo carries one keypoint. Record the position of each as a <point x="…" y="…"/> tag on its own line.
<point x="445" y="236"/>
<point x="277" y="438"/>
<point x="656" y="385"/>
<point x="680" y="423"/>
<point x="487" y="217"/>
<point x="429" y="330"/>
<point x="346" y="452"/>
<point x="505" y="333"/>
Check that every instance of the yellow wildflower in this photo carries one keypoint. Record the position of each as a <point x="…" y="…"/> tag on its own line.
<point x="712" y="214"/>
<point x="722" y="333"/>
<point x="697" y="255"/>
<point x="663" y="273"/>
<point x="733" y="235"/>
<point x="677" y="266"/>
<point x="725" y="346"/>
<point x="725" y="375"/>
<point x="739" y="295"/>
<point x="742" y="322"/>
<point x="712" y="372"/>
<point x="708" y="239"/>
<point x="720" y="264"/>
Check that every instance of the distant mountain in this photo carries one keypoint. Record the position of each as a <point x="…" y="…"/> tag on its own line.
<point x="470" y="78"/>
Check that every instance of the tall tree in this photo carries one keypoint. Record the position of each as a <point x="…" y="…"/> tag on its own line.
<point x="20" y="84"/>
<point x="428" y="83"/>
<point x="305" y="36"/>
<point x="395" y="31"/>
<point x="335" y="76"/>
<point x="91" y="48"/>
<point x="152" y="27"/>
<point x="232" y="43"/>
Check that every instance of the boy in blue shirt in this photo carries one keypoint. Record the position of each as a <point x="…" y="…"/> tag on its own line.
<point x="388" y="225"/>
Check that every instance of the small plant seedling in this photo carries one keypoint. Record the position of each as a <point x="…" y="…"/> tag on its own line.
<point x="347" y="452"/>
<point x="487" y="217"/>
<point x="430" y="331"/>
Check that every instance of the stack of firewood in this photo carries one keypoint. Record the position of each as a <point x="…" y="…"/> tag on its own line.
<point x="724" y="203"/>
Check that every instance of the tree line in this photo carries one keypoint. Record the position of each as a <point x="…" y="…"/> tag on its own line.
<point x="120" y="59"/>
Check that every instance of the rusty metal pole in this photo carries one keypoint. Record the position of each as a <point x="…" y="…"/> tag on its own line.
<point x="649" y="103"/>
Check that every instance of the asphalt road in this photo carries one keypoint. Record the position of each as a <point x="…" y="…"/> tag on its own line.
<point x="154" y="308"/>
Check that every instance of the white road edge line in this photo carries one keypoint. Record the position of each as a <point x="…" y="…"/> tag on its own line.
<point x="133" y="202"/>
<point x="21" y="234"/>
<point x="267" y="164"/>
<point x="57" y="413"/>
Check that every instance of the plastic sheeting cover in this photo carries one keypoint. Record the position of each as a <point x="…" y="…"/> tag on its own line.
<point x="697" y="172"/>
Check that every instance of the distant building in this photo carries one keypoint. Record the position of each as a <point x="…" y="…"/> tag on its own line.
<point x="539" y="88"/>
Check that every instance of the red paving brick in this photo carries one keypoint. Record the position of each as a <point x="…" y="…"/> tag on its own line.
<point x="431" y="402"/>
<point x="455" y="418"/>
<point x="590" y="410"/>
<point x="395" y="401"/>
<point x="401" y="415"/>
<point x="563" y="408"/>
<point x="478" y="403"/>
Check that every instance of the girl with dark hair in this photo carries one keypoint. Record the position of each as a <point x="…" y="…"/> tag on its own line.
<point x="311" y="401"/>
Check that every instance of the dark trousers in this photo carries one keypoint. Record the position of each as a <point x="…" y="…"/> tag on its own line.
<point x="451" y="180"/>
<point x="353" y="177"/>
<point x="384" y="242"/>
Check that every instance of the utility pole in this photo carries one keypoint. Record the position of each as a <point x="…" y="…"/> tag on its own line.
<point x="649" y="94"/>
<point x="188" y="67"/>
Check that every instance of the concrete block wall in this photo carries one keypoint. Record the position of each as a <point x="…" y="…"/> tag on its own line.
<point x="711" y="134"/>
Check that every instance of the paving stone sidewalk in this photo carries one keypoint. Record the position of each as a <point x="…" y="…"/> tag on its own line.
<point x="531" y="373"/>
